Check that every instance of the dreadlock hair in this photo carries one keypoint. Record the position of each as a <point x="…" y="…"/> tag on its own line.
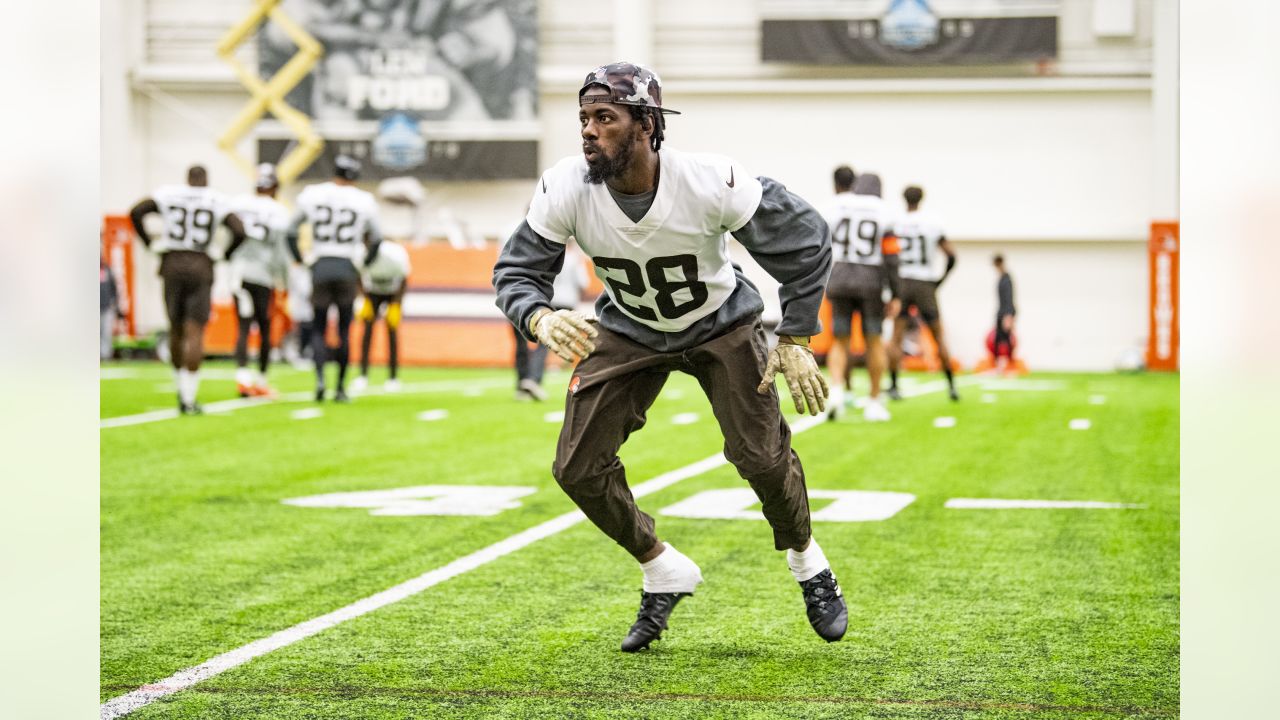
<point x="639" y="113"/>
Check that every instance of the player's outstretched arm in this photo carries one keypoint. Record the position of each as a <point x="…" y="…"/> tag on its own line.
<point x="291" y="235"/>
<point x="789" y="239"/>
<point x="137" y="213"/>
<point x="950" y="252"/>
<point x="236" y="226"/>
<point x="524" y="274"/>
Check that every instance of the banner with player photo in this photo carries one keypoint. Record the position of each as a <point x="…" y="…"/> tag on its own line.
<point x="907" y="33"/>
<point x="405" y="74"/>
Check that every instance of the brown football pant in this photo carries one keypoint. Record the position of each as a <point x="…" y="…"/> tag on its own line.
<point x="613" y="388"/>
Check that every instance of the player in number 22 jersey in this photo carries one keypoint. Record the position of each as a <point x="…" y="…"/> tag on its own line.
<point x="191" y="214"/>
<point x="344" y="231"/>
<point x="656" y="222"/>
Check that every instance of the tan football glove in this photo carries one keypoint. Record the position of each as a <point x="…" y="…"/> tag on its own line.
<point x="393" y="315"/>
<point x="366" y="310"/>
<point x="567" y="332"/>
<point x="804" y="379"/>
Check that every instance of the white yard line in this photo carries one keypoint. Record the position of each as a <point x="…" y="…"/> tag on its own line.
<point x="1004" y="504"/>
<point x="240" y="403"/>
<point x="183" y="679"/>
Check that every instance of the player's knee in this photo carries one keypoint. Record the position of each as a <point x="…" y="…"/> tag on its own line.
<point x="757" y="462"/>
<point x="581" y="476"/>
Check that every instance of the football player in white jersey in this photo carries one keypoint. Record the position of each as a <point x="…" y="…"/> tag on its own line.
<point x="657" y="223"/>
<point x="383" y="282"/>
<point x="259" y="266"/>
<point x="344" y="224"/>
<point x="191" y="214"/>
<point x="922" y="245"/>
<point x="866" y="262"/>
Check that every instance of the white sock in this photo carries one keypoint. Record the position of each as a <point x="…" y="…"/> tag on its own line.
<point x="244" y="376"/>
<point x="184" y="386"/>
<point x="194" y="376"/>
<point x="671" y="571"/>
<point x="260" y="378"/>
<point x="837" y="395"/>
<point x="804" y="565"/>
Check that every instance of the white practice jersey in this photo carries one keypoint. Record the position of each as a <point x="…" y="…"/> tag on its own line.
<point x="261" y="259"/>
<point x="672" y="267"/>
<point x="858" y="225"/>
<point x="389" y="268"/>
<point x="340" y="216"/>
<point x="191" y="215"/>
<point x="919" y="256"/>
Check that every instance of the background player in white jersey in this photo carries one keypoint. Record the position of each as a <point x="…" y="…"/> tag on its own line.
<point x="344" y="221"/>
<point x="191" y="214"/>
<point x="657" y="222"/>
<point x="566" y="293"/>
<point x="866" y="262"/>
<point x="259" y="266"/>
<point x="925" y="258"/>
<point x="383" y="280"/>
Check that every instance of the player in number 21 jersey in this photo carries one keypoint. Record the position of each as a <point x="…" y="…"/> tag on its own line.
<point x="924" y="251"/>
<point x="656" y="222"/>
<point x="344" y="225"/>
<point x="191" y="214"/>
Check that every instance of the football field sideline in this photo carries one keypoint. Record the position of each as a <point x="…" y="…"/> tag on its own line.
<point x="149" y="693"/>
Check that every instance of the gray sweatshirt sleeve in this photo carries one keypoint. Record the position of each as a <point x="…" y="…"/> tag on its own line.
<point x="524" y="275"/>
<point x="789" y="239"/>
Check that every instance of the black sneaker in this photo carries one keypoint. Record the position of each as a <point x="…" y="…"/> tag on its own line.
<point x="192" y="409"/>
<point x="319" y="393"/>
<point x="655" y="608"/>
<point x="894" y="393"/>
<point x="341" y="396"/>
<point x="955" y="396"/>
<point x="824" y="604"/>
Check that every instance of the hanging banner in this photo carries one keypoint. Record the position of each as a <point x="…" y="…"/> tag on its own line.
<point x="908" y="32"/>
<point x="402" y="75"/>
<point x="1162" y="337"/>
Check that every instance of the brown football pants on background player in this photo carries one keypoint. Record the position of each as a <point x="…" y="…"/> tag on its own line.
<point x="613" y="388"/>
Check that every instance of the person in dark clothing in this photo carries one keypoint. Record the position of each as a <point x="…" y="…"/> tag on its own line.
<point x="1004" y="316"/>
<point x="108" y="308"/>
<point x="656" y="222"/>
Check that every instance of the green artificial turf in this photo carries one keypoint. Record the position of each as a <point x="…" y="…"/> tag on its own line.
<point x="953" y="613"/>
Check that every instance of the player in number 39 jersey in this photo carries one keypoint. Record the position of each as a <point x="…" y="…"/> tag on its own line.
<point x="657" y="222"/>
<point x="191" y="214"/>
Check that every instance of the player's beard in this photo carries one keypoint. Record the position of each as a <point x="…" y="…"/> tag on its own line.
<point x="606" y="167"/>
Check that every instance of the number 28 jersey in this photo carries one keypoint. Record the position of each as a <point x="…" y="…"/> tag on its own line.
<point x="340" y="216"/>
<point x="859" y="225"/>
<point x="671" y="268"/>
<point x="191" y="214"/>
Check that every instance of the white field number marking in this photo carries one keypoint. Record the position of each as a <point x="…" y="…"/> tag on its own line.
<point x="306" y="414"/>
<point x="554" y="417"/>
<point x="684" y="419"/>
<point x="848" y="505"/>
<point x="1002" y="504"/>
<point x="433" y="415"/>
<point x="469" y="500"/>
<point x="1080" y="424"/>
<point x="944" y="422"/>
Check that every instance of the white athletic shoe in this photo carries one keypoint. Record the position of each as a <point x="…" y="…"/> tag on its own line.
<point x="533" y="389"/>
<point x="391" y="386"/>
<point x="359" y="384"/>
<point x="875" y="411"/>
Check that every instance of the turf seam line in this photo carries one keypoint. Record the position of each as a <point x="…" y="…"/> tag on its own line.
<point x="149" y="693"/>
<point x="303" y="396"/>
<point x="348" y="692"/>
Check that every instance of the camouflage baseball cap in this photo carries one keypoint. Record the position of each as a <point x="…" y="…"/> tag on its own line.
<point x="628" y="84"/>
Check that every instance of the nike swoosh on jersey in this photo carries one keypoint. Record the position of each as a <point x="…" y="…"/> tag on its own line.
<point x="544" y="186"/>
<point x="730" y="176"/>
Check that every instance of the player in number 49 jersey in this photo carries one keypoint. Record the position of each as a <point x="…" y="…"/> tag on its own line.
<point x="657" y="222"/>
<point x="344" y="226"/>
<point x="191" y="214"/>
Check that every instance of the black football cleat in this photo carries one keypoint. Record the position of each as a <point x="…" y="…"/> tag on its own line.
<point x="655" y="608"/>
<point x="824" y="604"/>
<point x="341" y="396"/>
<point x="894" y="393"/>
<point x="192" y="409"/>
<point x="955" y="396"/>
<point x="319" y="393"/>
